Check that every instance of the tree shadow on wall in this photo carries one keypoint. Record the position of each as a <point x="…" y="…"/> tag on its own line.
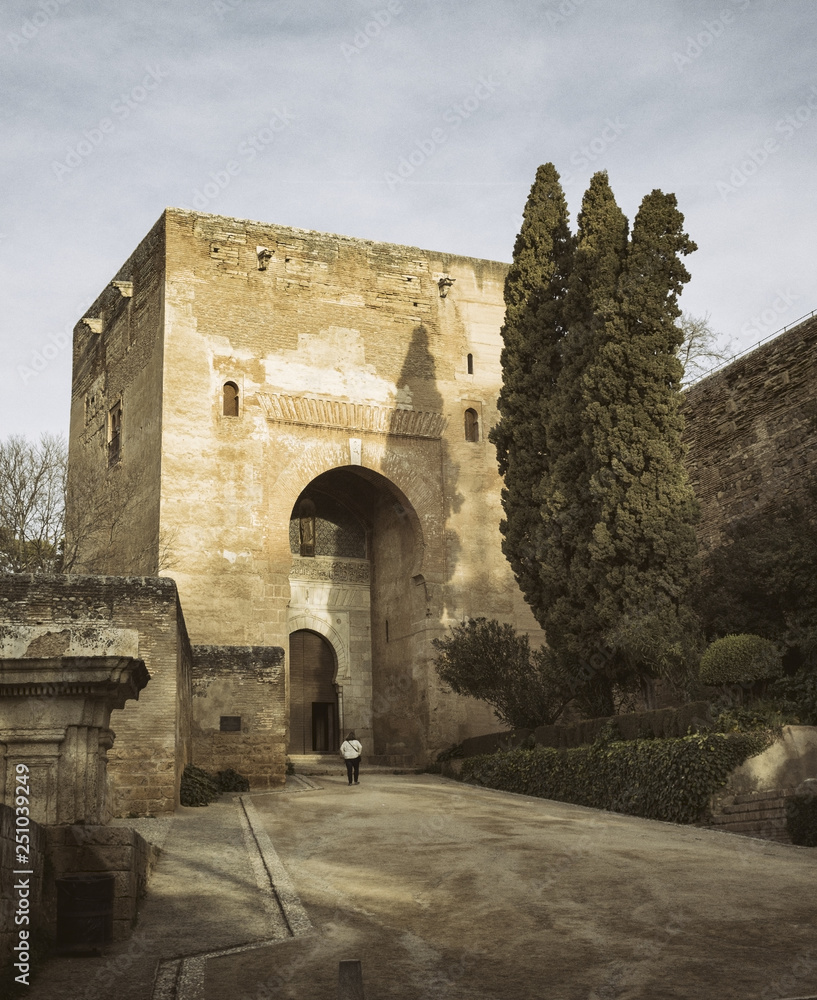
<point x="408" y="599"/>
<point x="420" y="416"/>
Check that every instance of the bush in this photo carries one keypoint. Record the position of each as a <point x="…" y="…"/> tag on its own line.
<point x="798" y="695"/>
<point x="669" y="779"/>
<point x="490" y="661"/>
<point x="740" y="659"/>
<point x="200" y="788"/>
<point x="757" y="715"/>
<point x="232" y="781"/>
<point x="801" y="819"/>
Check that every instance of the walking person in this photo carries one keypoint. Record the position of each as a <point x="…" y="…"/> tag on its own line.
<point x="351" y="750"/>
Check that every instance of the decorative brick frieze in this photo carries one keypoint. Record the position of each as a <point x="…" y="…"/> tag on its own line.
<point x="315" y="411"/>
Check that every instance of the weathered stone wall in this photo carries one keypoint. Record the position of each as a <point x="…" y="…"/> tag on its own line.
<point x="89" y="850"/>
<point x="152" y="735"/>
<point x="751" y="428"/>
<point x="118" y="357"/>
<point x="346" y="355"/>
<point x="753" y="801"/>
<point x="248" y="682"/>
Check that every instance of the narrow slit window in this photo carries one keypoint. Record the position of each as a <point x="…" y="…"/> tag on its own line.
<point x="470" y="362"/>
<point x="230" y="399"/>
<point x="471" y="425"/>
<point x="114" y="434"/>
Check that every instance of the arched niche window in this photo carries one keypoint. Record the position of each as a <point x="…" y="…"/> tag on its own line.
<point x="470" y="362"/>
<point x="324" y="527"/>
<point x="306" y="525"/>
<point x="230" y="399"/>
<point x="471" y="425"/>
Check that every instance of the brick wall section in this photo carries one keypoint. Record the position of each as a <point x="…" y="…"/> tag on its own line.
<point x="754" y="814"/>
<point x="752" y="430"/>
<point x="248" y="682"/>
<point x="8" y="897"/>
<point x="152" y="734"/>
<point x="91" y="849"/>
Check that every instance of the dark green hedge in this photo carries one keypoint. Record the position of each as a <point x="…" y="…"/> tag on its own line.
<point x="801" y="819"/>
<point x="657" y="779"/>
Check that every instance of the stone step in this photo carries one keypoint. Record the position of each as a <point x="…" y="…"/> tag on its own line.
<point x="329" y="763"/>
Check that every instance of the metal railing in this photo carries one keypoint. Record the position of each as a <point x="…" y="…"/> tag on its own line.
<point x="748" y="350"/>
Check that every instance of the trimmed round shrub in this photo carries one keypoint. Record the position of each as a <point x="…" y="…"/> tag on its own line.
<point x="740" y="659"/>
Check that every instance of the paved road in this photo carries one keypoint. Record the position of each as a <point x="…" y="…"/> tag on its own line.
<point x="452" y="892"/>
<point x="448" y="891"/>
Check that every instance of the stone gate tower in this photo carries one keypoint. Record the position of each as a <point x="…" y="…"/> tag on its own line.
<point x="293" y="426"/>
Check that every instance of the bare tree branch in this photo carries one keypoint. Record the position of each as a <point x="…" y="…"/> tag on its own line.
<point x="32" y="504"/>
<point x="701" y="350"/>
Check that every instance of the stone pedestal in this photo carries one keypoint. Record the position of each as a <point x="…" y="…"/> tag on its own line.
<point x="55" y="716"/>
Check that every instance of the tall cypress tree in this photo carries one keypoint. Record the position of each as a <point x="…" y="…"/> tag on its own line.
<point x="600" y="516"/>
<point x="535" y="289"/>
<point x="568" y="510"/>
<point x="643" y="547"/>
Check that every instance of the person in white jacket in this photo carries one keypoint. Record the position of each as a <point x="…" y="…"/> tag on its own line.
<point x="351" y="750"/>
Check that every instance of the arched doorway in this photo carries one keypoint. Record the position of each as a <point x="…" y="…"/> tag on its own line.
<point x="313" y="698"/>
<point x="356" y="545"/>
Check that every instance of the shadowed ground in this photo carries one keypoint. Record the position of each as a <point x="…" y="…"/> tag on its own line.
<point x="447" y="891"/>
<point x="444" y="890"/>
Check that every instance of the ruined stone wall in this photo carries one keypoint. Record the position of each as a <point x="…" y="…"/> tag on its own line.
<point x="751" y="428"/>
<point x="117" y="367"/>
<point x="152" y="742"/>
<point x="248" y="684"/>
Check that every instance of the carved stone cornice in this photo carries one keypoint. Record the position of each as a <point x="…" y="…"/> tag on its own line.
<point x="112" y="679"/>
<point x="316" y="412"/>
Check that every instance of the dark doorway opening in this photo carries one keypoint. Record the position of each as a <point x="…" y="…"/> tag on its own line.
<point x="324" y="726"/>
<point x="313" y="699"/>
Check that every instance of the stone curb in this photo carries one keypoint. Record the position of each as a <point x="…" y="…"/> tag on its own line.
<point x="182" y="978"/>
<point x="294" y="913"/>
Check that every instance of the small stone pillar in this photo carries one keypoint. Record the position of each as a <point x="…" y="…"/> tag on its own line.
<point x="55" y="714"/>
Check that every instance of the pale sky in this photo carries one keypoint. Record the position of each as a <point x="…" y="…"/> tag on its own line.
<point x="410" y="121"/>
